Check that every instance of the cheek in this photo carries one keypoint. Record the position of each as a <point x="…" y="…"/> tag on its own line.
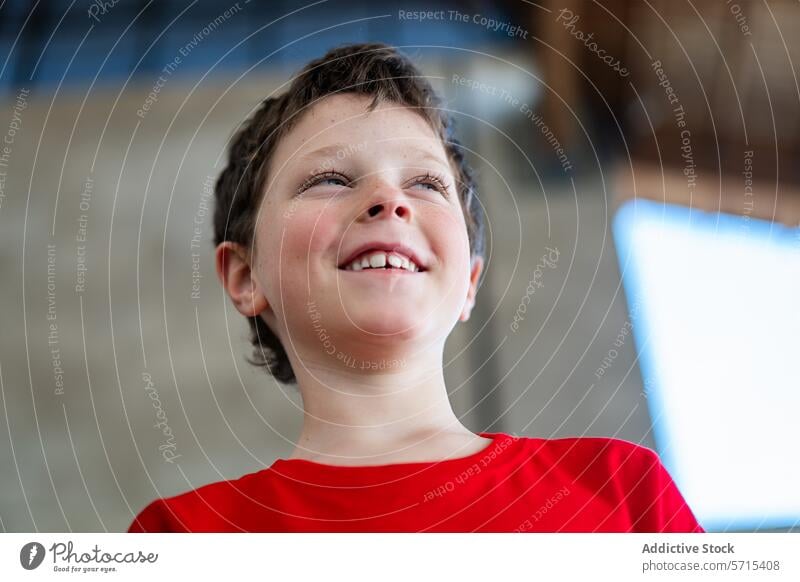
<point x="290" y="241"/>
<point x="447" y="233"/>
<point x="305" y="235"/>
<point x="310" y="232"/>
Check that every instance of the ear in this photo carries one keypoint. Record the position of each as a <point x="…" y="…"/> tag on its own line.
<point x="233" y="270"/>
<point x="474" y="277"/>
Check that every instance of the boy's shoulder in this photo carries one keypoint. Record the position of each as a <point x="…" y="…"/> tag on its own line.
<point x="591" y="445"/>
<point x="175" y="512"/>
<point x="587" y="455"/>
<point x="220" y="490"/>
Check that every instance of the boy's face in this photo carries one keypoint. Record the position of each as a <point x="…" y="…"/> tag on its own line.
<point x="348" y="188"/>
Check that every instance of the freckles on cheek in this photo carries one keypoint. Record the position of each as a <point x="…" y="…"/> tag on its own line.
<point x="448" y="234"/>
<point x="306" y="235"/>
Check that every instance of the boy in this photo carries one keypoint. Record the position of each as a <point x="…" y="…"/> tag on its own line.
<point x="348" y="232"/>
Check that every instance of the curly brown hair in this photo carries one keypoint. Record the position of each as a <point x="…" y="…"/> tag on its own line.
<point x="375" y="70"/>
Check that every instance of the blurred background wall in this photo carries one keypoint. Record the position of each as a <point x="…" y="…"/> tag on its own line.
<point x="115" y="120"/>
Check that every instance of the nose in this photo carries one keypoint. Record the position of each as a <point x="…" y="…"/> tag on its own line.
<point x="388" y="205"/>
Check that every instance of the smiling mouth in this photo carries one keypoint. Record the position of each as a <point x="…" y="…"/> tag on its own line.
<point x="383" y="261"/>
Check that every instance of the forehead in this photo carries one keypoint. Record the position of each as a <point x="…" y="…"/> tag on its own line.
<point x="342" y="124"/>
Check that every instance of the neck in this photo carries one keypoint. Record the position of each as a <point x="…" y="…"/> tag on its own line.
<point x="353" y="415"/>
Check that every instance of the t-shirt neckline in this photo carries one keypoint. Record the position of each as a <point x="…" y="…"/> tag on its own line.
<point x="495" y="439"/>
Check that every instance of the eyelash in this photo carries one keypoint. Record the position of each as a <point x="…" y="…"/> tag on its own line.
<point x="314" y="180"/>
<point x="437" y="180"/>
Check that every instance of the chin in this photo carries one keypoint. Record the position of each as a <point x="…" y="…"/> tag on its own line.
<point x="392" y="326"/>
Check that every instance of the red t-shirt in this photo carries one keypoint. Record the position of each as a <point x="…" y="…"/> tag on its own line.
<point x="516" y="484"/>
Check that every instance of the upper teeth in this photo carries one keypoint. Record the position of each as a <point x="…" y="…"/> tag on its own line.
<point x="378" y="260"/>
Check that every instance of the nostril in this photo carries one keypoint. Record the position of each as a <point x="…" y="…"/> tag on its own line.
<point x="400" y="211"/>
<point x="375" y="209"/>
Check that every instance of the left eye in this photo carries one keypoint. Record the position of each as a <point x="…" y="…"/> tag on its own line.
<point x="430" y="185"/>
<point x="331" y="180"/>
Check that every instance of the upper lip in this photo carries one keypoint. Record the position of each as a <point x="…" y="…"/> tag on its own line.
<point x="387" y="247"/>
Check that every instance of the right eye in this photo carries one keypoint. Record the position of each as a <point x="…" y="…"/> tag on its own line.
<point x="325" y="179"/>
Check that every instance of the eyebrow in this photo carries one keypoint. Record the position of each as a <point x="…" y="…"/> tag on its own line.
<point x="426" y="155"/>
<point x="328" y="151"/>
<point x="332" y="151"/>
